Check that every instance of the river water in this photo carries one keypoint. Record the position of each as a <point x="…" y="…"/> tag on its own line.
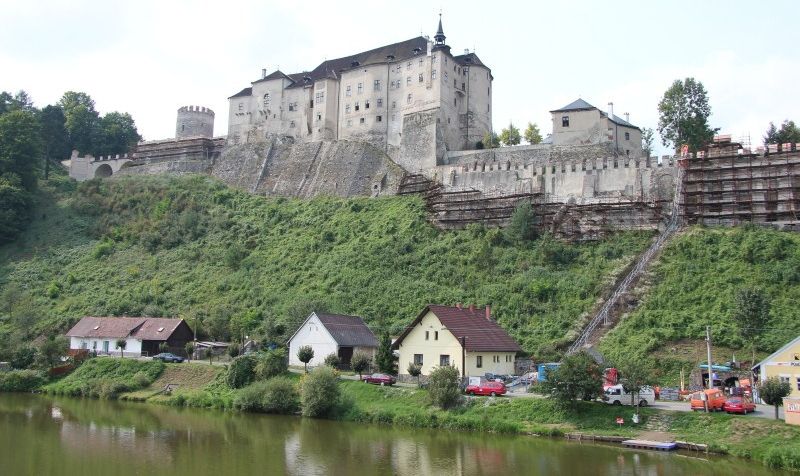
<point x="41" y="435"/>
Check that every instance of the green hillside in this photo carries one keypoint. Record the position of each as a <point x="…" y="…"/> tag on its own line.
<point x="241" y="264"/>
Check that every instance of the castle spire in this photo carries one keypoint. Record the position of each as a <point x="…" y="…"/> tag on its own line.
<point x="439" y="37"/>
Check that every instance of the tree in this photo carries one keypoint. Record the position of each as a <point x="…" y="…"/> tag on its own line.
<point x="683" y="115"/>
<point x="16" y="102"/>
<point x="523" y="224"/>
<point x="121" y="344"/>
<point x="242" y="371"/>
<point x="788" y="133"/>
<point x="510" y="135"/>
<point x="114" y="133"/>
<point x="80" y="120"/>
<point x="532" y="134"/>
<point x="333" y="361"/>
<point x="14" y="207"/>
<point x="271" y="364"/>
<point x="647" y="141"/>
<point x="305" y="354"/>
<point x="55" y="141"/>
<point x="636" y="373"/>
<point x="23" y="357"/>
<point x="209" y="354"/>
<point x="233" y="350"/>
<point x="20" y="146"/>
<point x="319" y="392"/>
<point x="751" y="315"/>
<point x="490" y="140"/>
<point x="360" y="363"/>
<point x="443" y="386"/>
<point x="772" y="392"/>
<point x="50" y="352"/>
<point x="189" y="348"/>
<point x="415" y="370"/>
<point x="578" y="376"/>
<point x="385" y="359"/>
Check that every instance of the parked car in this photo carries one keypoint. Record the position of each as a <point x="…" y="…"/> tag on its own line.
<point x="739" y="405"/>
<point x="616" y="395"/>
<point x="487" y="388"/>
<point x="716" y="400"/>
<point x="167" y="357"/>
<point x="380" y="379"/>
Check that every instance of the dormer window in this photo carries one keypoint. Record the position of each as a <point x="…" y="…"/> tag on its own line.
<point x="96" y="327"/>
<point x="160" y="329"/>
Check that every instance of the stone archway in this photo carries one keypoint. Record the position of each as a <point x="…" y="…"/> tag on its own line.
<point x="103" y="171"/>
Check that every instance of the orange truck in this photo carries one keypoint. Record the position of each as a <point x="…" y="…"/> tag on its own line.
<point x="716" y="400"/>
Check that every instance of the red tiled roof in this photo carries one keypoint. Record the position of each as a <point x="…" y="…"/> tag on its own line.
<point x="143" y="328"/>
<point x="150" y="328"/>
<point x="482" y="334"/>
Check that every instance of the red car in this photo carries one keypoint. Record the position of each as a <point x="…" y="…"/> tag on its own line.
<point x="487" y="388"/>
<point x="739" y="405"/>
<point x="380" y="379"/>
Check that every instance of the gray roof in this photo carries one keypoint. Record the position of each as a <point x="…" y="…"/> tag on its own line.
<point x="348" y="330"/>
<point x="243" y="92"/>
<point x="622" y="122"/>
<point x="277" y="74"/>
<point x="577" y="105"/>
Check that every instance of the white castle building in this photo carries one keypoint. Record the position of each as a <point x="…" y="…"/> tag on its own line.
<point x="370" y="97"/>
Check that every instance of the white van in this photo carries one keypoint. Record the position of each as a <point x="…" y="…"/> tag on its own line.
<point x="616" y="395"/>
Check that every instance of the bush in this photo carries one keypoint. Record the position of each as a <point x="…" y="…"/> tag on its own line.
<point x="233" y="350"/>
<point x="20" y="381"/>
<point x="360" y="363"/>
<point x="276" y="395"/>
<point x="271" y="364"/>
<point x="319" y="392"/>
<point x="141" y="379"/>
<point x="443" y="387"/>
<point x="333" y="361"/>
<point x="242" y="371"/>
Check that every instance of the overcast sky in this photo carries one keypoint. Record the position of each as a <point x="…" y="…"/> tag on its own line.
<point x="149" y="57"/>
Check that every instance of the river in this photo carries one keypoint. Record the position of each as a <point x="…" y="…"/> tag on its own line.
<point x="41" y="435"/>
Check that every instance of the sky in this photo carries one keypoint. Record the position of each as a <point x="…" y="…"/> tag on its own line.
<point x="150" y="57"/>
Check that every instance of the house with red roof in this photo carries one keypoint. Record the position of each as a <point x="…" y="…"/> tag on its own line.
<point x="332" y="334"/>
<point x="464" y="337"/>
<point x="142" y="335"/>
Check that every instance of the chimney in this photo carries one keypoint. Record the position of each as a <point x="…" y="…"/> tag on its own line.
<point x="611" y="110"/>
<point x="627" y="117"/>
<point x="488" y="313"/>
<point x="458" y="305"/>
<point x="263" y="73"/>
<point x="472" y="308"/>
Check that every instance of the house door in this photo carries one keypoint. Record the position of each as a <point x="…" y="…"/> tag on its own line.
<point x="105" y="346"/>
<point x="345" y="355"/>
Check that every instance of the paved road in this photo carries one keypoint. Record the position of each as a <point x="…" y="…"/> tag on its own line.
<point x="762" y="411"/>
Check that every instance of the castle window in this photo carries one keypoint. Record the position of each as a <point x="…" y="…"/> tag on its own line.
<point x="319" y="97"/>
<point x="380" y="102"/>
<point x="348" y="91"/>
<point x="421" y="61"/>
<point x="291" y="124"/>
<point x="349" y="122"/>
<point x="366" y="104"/>
<point x="445" y="60"/>
<point x="448" y="120"/>
<point x="445" y="75"/>
<point x="362" y="121"/>
<point x="627" y="136"/>
<point x="291" y="107"/>
<point x="564" y="121"/>
<point x="397" y="84"/>
<point x="319" y="117"/>
<point x="357" y="107"/>
<point x="434" y="58"/>
<point x="394" y="104"/>
<point x="455" y="102"/>
<point x="266" y="101"/>
<point x="420" y="78"/>
<point x="241" y="106"/>
<point x="488" y="108"/>
<point x="391" y="85"/>
<point x="408" y="65"/>
<point x="378" y="118"/>
<point x="408" y="99"/>
<point x="183" y="127"/>
<point x="408" y="80"/>
<point x="488" y="92"/>
<point x="455" y="83"/>
<point x="376" y="86"/>
<point x="360" y="88"/>
<point x="433" y="74"/>
<point x="347" y="109"/>
<point x="463" y="86"/>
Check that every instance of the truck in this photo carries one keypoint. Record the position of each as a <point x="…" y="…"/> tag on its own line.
<point x="616" y="395"/>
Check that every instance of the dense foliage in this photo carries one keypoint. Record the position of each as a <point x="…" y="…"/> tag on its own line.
<point x="443" y="386"/>
<point x="578" y="377"/>
<point x="271" y="363"/>
<point x="683" y="114"/>
<point x="696" y="283"/>
<point x="276" y="395"/>
<point x="319" y="392"/>
<point x="242" y="371"/>
<point x="107" y="377"/>
<point x="20" y="381"/>
<point x="773" y="391"/>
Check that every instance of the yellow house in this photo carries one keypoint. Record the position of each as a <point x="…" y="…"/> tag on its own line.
<point x="464" y="337"/>
<point x="784" y="364"/>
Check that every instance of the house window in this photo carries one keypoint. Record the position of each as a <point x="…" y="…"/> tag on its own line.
<point x="380" y="102"/>
<point x="366" y="104"/>
<point x="627" y="136"/>
<point x="435" y="335"/>
<point x="408" y="99"/>
<point x="408" y="80"/>
<point x="376" y="86"/>
<point x="479" y="361"/>
<point x="784" y="378"/>
<point x="798" y="383"/>
<point x="417" y="359"/>
<point x="362" y="121"/>
<point x="421" y="79"/>
<point x="427" y="335"/>
<point x="348" y="91"/>
<point x="564" y="121"/>
<point x="378" y="118"/>
<point x="360" y="88"/>
<point x="444" y="360"/>
<point x="433" y="74"/>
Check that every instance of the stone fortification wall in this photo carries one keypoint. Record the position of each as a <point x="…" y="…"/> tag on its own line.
<point x="194" y="121"/>
<point x="176" y="167"/>
<point x="282" y="167"/>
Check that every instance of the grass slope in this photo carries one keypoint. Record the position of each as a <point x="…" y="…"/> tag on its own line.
<point x="195" y="248"/>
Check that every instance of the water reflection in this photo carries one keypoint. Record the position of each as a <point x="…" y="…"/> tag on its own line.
<point x="41" y="435"/>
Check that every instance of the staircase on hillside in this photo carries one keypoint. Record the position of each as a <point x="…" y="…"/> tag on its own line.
<point x="593" y="332"/>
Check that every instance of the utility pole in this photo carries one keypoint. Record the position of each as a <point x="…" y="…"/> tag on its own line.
<point x="710" y="369"/>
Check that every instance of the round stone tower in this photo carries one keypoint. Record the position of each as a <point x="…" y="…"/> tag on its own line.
<point x="194" y="121"/>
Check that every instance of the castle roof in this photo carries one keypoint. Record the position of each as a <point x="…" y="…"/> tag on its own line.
<point x="277" y="74"/>
<point x="581" y="105"/>
<point x="243" y="92"/>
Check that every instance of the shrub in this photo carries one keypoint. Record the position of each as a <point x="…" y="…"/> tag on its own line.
<point x="319" y="392"/>
<point x="305" y="354"/>
<point x="233" y="350"/>
<point x="271" y="364"/>
<point x="333" y="361"/>
<point x="242" y="371"/>
<point x="23" y="357"/>
<point x="189" y="348"/>
<point x="20" y="381"/>
<point x="360" y="363"/>
<point x="443" y="387"/>
<point x="141" y="379"/>
<point x="276" y="395"/>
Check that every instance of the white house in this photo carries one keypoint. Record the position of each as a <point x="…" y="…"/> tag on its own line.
<point x="142" y="335"/>
<point x="332" y="334"/>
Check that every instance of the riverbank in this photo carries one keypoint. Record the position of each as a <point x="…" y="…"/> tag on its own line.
<point x="770" y="442"/>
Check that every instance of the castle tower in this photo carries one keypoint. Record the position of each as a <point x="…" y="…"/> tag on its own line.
<point x="194" y="121"/>
<point x="439" y="37"/>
